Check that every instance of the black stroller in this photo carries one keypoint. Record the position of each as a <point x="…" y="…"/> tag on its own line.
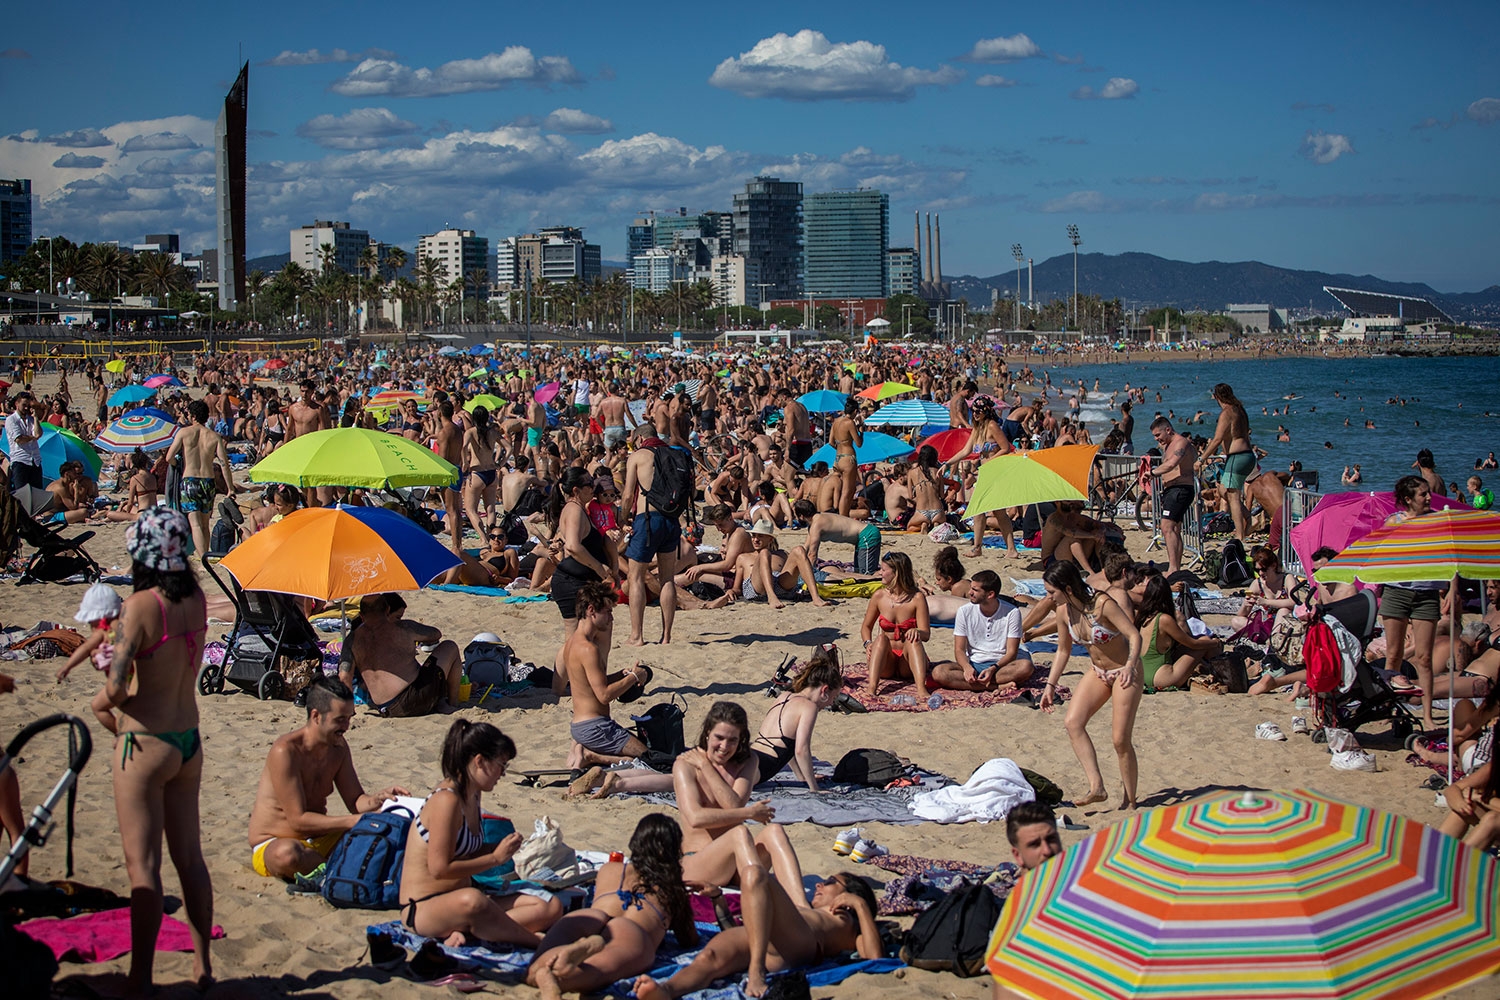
<point x="1369" y="699"/>
<point x="56" y="558"/>
<point x="269" y="630"/>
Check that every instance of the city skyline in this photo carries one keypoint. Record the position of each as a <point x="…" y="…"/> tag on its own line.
<point x="1279" y="134"/>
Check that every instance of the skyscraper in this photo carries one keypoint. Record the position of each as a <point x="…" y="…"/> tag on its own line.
<point x="229" y="189"/>
<point x="846" y="236"/>
<point x="461" y="253"/>
<point x="307" y="242"/>
<point x="15" y="219"/>
<point x="768" y="233"/>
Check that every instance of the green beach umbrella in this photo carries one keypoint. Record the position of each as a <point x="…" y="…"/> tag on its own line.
<point x="353" y="456"/>
<point x="1016" y="480"/>
<point x="484" y="399"/>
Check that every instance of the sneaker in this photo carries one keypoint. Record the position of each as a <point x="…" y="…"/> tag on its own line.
<point x="1269" y="731"/>
<point x="1353" y="760"/>
<point x="865" y="850"/>
<point x="1299" y="725"/>
<point x="845" y="842"/>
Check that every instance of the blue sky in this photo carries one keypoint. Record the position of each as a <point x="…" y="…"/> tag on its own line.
<point x="1337" y="136"/>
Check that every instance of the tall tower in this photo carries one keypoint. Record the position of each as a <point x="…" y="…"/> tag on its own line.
<point x="846" y="233"/>
<point x="768" y="234"/>
<point x="937" y="253"/>
<point x="927" y="260"/>
<point x="229" y="190"/>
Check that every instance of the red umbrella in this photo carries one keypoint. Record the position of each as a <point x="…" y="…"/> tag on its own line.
<point x="274" y="364"/>
<point x="949" y="443"/>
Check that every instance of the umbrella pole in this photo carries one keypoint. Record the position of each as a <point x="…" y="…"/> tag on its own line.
<point x="1453" y="610"/>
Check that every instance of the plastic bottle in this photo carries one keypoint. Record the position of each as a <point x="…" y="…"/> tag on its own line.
<point x="464" y="687"/>
<point x="903" y="699"/>
<point x="936" y="701"/>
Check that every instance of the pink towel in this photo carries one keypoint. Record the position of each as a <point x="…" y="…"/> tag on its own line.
<point x="99" y="937"/>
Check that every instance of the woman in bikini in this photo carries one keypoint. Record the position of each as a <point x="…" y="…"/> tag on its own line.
<point x="1114" y="646"/>
<point x="445" y="850"/>
<point x="927" y="485"/>
<point x="1169" y="652"/>
<point x="1232" y="434"/>
<point x="988" y="440"/>
<point x="149" y="703"/>
<point x="273" y="428"/>
<point x="949" y="590"/>
<point x="899" y="608"/>
<point x="617" y="937"/>
<point x="786" y="732"/>
<point x="845" y="436"/>
<point x="481" y="447"/>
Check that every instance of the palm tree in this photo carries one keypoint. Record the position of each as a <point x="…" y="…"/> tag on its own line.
<point x="158" y="275"/>
<point x="369" y="264"/>
<point x="105" y="268"/>
<point x="431" y="274"/>
<point x="479" y="280"/>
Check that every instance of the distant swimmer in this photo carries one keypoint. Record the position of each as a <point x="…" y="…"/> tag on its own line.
<point x="1369" y="425"/>
<point x="1352" y="476"/>
<point x="1292" y="395"/>
<point x="1346" y="421"/>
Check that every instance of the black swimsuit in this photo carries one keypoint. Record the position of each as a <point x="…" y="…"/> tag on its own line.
<point x="783" y="748"/>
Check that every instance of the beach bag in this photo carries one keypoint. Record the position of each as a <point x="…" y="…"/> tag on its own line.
<point x="1228" y="670"/>
<point x="544" y="852"/>
<point x="488" y="662"/>
<point x="660" y="728"/>
<point x="672" y="483"/>
<point x="1047" y="791"/>
<point x="952" y="936"/>
<point x="531" y="500"/>
<point x="1258" y="628"/>
<point x="1287" y="637"/>
<point x="364" y="870"/>
<point x="869" y="767"/>
<point x="1233" y="571"/>
<point x="223" y="537"/>
<point x="1321" y="657"/>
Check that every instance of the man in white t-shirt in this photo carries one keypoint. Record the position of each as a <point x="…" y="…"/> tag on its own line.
<point x="987" y="653"/>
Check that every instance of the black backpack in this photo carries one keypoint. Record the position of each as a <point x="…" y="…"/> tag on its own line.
<point x="672" y="485"/>
<point x="1234" y="571"/>
<point x="661" y="730"/>
<point x="872" y="768"/>
<point x="953" y="934"/>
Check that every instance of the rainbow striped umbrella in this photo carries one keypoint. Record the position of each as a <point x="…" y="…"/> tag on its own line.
<point x="147" y="429"/>
<point x="1437" y="546"/>
<point x="1253" y="896"/>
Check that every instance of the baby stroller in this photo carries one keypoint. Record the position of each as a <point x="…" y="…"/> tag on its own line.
<point x="1368" y="698"/>
<point x="269" y="631"/>
<point x="29" y="966"/>
<point x="56" y="558"/>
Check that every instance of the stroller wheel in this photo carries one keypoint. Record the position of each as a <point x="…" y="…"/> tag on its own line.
<point x="210" y="679"/>
<point x="270" y="687"/>
<point x="1401" y="727"/>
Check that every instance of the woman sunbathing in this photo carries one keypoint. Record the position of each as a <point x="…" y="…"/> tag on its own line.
<point x="899" y="608"/>
<point x="446" y="848"/>
<point x="618" y="935"/>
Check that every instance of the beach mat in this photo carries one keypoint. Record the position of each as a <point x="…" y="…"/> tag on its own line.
<point x="857" y="676"/>
<point x="509" y="965"/>
<point x="99" y="937"/>
<point x="464" y="588"/>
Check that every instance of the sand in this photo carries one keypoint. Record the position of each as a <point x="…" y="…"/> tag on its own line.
<point x="277" y="945"/>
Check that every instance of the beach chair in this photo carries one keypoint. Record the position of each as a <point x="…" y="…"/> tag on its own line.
<point x="270" y="631"/>
<point x="56" y="558"/>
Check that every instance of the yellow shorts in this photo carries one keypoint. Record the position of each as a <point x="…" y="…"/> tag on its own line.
<point x="323" y="845"/>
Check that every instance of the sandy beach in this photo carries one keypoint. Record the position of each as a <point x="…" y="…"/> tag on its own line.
<point x="277" y="945"/>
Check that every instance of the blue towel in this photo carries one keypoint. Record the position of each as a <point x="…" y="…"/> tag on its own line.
<point x="463" y="588"/>
<point x="509" y="965"/>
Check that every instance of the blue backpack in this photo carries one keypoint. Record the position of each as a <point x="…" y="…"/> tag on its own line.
<point x="364" y="870"/>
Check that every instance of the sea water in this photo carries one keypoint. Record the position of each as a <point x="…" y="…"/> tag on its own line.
<point x="1451" y="406"/>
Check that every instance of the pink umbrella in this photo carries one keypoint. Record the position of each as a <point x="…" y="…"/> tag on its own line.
<point x="547" y="393"/>
<point x="157" y="381"/>
<point x="1341" y="519"/>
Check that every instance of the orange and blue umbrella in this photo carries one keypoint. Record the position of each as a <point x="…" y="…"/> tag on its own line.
<point x="147" y="428"/>
<point x="330" y="553"/>
<point x="58" y="445"/>
<point x="1252" y="896"/>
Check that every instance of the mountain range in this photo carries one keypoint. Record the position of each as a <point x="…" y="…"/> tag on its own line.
<point x="1149" y="281"/>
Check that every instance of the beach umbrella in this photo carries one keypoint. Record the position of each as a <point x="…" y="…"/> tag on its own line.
<point x="878" y="323"/>
<point x="158" y="381"/>
<point x="484" y="399"/>
<point x="148" y="429"/>
<point x="276" y="363"/>
<point x="379" y="364"/>
<point x="58" y="445"/>
<point x="1073" y="462"/>
<point x="330" y="553"/>
<point x="479" y="372"/>
<point x="1016" y="480"/>
<point x="1443" y="545"/>
<point x="479" y="350"/>
<point x="823" y="401"/>
<point x="885" y="390"/>
<point x="910" y="413"/>
<point x="129" y="394"/>
<point x="257" y="364"/>
<point x="693" y="387"/>
<point x="878" y="447"/>
<point x="449" y="352"/>
<point x="547" y="393"/>
<point x="117" y="366"/>
<point x="1252" y="895"/>
<point x="1340" y="519"/>
<point x="353" y="456"/>
<point x="388" y="398"/>
<point x="950" y="443"/>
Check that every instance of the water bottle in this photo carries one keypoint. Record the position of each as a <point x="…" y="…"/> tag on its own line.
<point x="903" y="699"/>
<point x="936" y="701"/>
<point x="465" y="688"/>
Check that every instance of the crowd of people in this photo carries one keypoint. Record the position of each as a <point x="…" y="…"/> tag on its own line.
<point x="590" y="477"/>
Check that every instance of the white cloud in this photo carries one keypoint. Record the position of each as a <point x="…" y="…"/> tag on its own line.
<point x="362" y="128"/>
<point x="517" y="64"/>
<point x="1081" y="201"/>
<point x="808" y="67"/>
<point x="313" y="57"/>
<point x="576" y="122"/>
<point x="1004" y="49"/>
<point x="84" y="138"/>
<point x="1485" y="111"/>
<point x="994" y="80"/>
<point x="72" y="161"/>
<point x="1117" y="88"/>
<point x="157" y="142"/>
<point x="1325" y="147"/>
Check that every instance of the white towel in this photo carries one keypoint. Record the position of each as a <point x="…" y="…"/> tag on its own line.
<point x="990" y="793"/>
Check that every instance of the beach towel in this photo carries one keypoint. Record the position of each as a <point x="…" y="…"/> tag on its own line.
<point x="99" y="937"/>
<point x="993" y="541"/>
<point x="921" y="882"/>
<point x="463" y="588"/>
<point x="848" y="588"/>
<point x="836" y="804"/>
<point x="989" y="794"/>
<point x="508" y="965"/>
<point x="857" y="675"/>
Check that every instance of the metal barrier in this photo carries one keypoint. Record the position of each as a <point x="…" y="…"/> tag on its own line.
<point x="1295" y="506"/>
<point x="1192" y="526"/>
<point x="1111" y="467"/>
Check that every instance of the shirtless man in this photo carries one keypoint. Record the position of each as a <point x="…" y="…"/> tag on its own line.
<point x="1069" y="534"/>
<point x="1427" y="468"/>
<point x="382" y="652"/>
<point x="1178" y="456"/>
<point x="1232" y="434"/>
<point x="199" y="447"/>
<point x="536" y="431"/>
<point x="780" y="931"/>
<point x="719" y="572"/>
<point x="796" y="428"/>
<point x="597" y="739"/>
<point x="614" y="416"/>
<point x="958" y="406"/>
<point x="729" y="488"/>
<point x="449" y="443"/>
<point x="291" y="832"/>
<point x="305" y="416"/>
<point x="780" y="471"/>
<point x="829" y="527"/>
<point x="653" y="534"/>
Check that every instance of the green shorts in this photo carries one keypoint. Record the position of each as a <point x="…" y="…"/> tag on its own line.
<point x="1237" y="468"/>
<point x="1410" y="604"/>
<point x="867" y="550"/>
<point x="533" y="437"/>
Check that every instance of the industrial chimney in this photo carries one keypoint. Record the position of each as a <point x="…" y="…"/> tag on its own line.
<point x="927" y="257"/>
<point x="937" y="264"/>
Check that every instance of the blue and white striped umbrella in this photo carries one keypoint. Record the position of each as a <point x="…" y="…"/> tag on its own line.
<point x="909" y="413"/>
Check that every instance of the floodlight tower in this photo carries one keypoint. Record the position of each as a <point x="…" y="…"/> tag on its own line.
<point x="1075" y="239"/>
<point x="1015" y="251"/>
